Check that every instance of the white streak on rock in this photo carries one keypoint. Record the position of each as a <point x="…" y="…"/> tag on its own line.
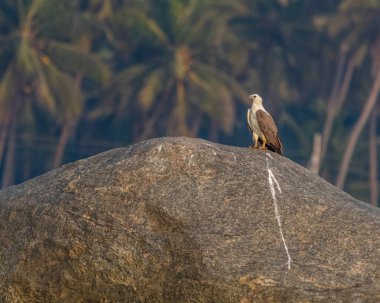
<point x="159" y="148"/>
<point x="272" y="178"/>
<point x="191" y="160"/>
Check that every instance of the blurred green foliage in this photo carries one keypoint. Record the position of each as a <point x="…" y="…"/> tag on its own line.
<point x="82" y="76"/>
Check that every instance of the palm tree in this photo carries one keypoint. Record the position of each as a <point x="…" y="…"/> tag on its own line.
<point x="45" y="66"/>
<point x="181" y="79"/>
<point x="357" y="26"/>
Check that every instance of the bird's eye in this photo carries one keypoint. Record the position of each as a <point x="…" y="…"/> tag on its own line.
<point x="254" y="97"/>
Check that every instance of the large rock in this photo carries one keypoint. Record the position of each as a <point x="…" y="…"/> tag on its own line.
<point x="186" y="220"/>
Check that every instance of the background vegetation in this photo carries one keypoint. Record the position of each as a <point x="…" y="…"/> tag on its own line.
<point x="82" y="76"/>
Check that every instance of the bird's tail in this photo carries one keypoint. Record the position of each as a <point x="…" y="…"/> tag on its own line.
<point x="275" y="149"/>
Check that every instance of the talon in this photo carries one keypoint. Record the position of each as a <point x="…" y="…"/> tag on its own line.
<point x="256" y="140"/>
<point x="264" y="146"/>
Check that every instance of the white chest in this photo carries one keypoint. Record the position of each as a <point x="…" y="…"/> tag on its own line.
<point x="253" y="119"/>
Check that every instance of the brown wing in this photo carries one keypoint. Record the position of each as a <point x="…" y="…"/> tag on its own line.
<point x="269" y="130"/>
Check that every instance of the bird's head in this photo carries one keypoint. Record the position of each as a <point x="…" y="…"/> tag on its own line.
<point x="256" y="99"/>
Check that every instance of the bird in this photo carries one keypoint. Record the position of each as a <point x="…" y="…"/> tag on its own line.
<point x="262" y="126"/>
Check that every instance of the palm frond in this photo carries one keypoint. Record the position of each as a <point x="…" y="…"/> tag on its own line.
<point x="44" y="92"/>
<point x="25" y="56"/>
<point x="152" y="26"/>
<point x="64" y="92"/>
<point x="151" y="88"/>
<point x="74" y="60"/>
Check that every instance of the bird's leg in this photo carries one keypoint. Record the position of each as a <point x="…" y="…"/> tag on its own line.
<point x="256" y="139"/>
<point x="264" y="143"/>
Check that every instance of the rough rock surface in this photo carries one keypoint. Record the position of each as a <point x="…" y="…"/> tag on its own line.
<point x="186" y="220"/>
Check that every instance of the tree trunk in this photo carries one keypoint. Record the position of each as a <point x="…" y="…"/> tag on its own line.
<point x="9" y="133"/>
<point x="315" y="159"/>
<point x="8" y="172"/>
<point x="149" y="127"/>
<point x="179" y="126"/>
<point x="373" y="158"/>
<point x="346" y="83"/>
<point x="336" y="101"/>
<point x="358" y="128"/>
<point x="67" y="131"/>
<point x="4" y="133"/>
